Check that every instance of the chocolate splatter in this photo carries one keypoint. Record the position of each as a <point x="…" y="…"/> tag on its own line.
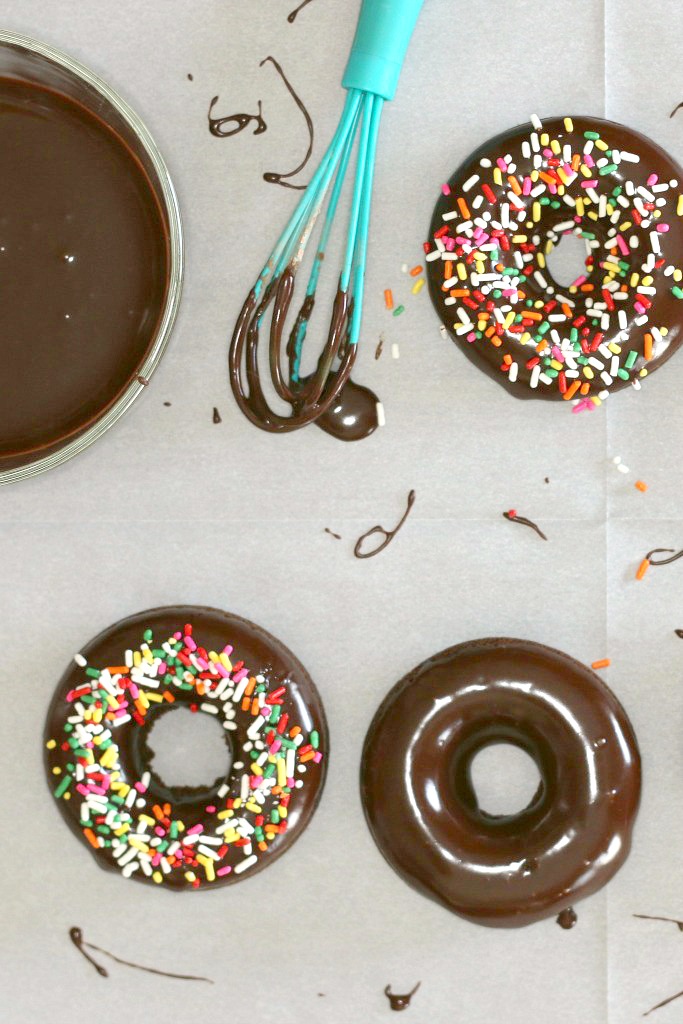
<point x="675" y="110"/>
<point x="240" y="121"/>
<point x="141" y="380"/>
<point x="167" y="403"/>
<point x="397" y="1002"/>
<point x="512" y="517"/>
<point x="679" y="633"/>
<point x="567" y="918"/>
<point x="669" y="920"/>
<point x="387" y="534"/>
<point x="546" y="480"/>
<point x="380" y="346"/>
<point x="291" y="17"/>
<point x="76" y="936"/>
<point x="216" y="415"/>
<point x="332" y="533"/>
<point x="272" y="177"/>
<point x="190" y="77"/>
<point x="665" y="1002"/>
<point x="663" y="561"/>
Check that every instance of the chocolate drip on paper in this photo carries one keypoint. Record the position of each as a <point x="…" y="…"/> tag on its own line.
<point x="273" y="177"/>
<point x="512" y="517"/>
<point x="567" y="918"/>
<point x="397" y="1002"/>
<point x="291" y="17"/>
<point x="217" y="125"/>
<point x="387" y="534"/>
<point x="76" y="936"/>
<point x="663" y="561"/>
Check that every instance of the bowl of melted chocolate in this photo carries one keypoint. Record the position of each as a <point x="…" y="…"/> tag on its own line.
<point x="91" y="257"/>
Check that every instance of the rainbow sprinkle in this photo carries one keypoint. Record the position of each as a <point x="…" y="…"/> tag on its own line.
<point x="122" y="817"/>
<point x="493" y="245"/>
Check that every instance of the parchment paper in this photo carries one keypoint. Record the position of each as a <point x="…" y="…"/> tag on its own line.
<point x="169" y="508"/>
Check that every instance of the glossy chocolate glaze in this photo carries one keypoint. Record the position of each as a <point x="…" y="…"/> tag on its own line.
<point x="422" y="810"/>
<point x="669" y="310"/>
<point x="84" y="260"/>
<point x="213" y="629"/>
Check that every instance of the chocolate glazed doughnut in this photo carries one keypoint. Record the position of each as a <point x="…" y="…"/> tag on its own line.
<point x="505" y="210"/>
<point x="100" y="767"/>
<point x="420" y="803"/>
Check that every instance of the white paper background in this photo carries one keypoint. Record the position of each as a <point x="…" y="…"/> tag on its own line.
<point x="171" y="508"/>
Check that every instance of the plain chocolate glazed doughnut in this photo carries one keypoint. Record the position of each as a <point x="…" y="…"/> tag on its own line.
<point x="420" y="803"/>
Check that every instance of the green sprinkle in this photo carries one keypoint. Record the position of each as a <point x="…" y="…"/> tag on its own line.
<point x="148" y="636"/>
<point x="63" y="786"/>
<point x="399" y="310"/>
<point x="607" y="169"/>
<point x="593" y="136"/>
<point x="94" y="673"/>
<point x="624" y="374"/>
<point x="630" y="359"/>
<point x="315" y="740"/>
<point x="677" y="292"/>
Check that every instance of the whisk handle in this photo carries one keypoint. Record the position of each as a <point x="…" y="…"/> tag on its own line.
<point x="380" y="44"/>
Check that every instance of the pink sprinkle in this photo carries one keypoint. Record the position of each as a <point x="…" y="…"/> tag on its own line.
<point x="83" y="790"/>
<point x="210" y="809"/>
<point x="622" y="246"/>
<point x="471" y="337"/>
<point x="527" y="186"/>
<point x="509" y="293"/>
<point x="202" y="663"/>
<point x="652" y="180"/>
<point x="195" y="828"/>
<point x="579" y="281"/>
<point x="317" y="757"/>
<point x="156" y="860"/>
<point x="591" y="183"/>
<point x="189" y="643"/>
<point x="549" y="153"/>
<point x="178" y="636"/>
<point x="290" y="783"/>
<point x="227" y="650"/>
<point x="274" y="747"/>
<point x="98" y="790"/>
<point x="221" y="669"/>
<point x="557" y="354"/>
<point x="639" y="308"/>
<point x="140" y="788"/>
<point x="134" y="692"/>
<point x="162" y="668"/>
<point x="585" y="404"/>
<point x="449" y="243"/>
<point x="158" y="831"/>
<point x="589" y="162"/>
<point x="662" y="228"/>
<point x="501" y="163"/>
<point x="224" y="871"/>
<point x="239" y="676"/>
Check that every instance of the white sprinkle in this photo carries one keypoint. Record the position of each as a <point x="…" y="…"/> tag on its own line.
<point x="381" y="418"/>
<point x="80" y="660"/>
<point x="394" y="350"/>
<point x="209" y="708"/>
<point x="244" y="864"/>
<point x="404" y="268"/>
<point x="514" y="370"/>
<point x="470" y="182"/>
<point x="623" y="469"/>
<point x="431" y="256"/>
<point x="536" y="122"/>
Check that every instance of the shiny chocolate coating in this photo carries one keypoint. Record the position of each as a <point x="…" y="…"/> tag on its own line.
<point x="261" y="654"/>
<point x="85" y="263"/>
<point x="608" y="204"/>
<point x="422" y="809"/>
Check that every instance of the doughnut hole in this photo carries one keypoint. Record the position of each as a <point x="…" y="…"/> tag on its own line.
<point x="567" y="260"/>
<point x="187" y="753"/>
<point x="505" y="779"/>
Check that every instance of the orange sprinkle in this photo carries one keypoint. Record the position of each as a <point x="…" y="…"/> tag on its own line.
<point x="547" y="178"/>
<point x="308" y="756"/>
<point x="460" y="293"/>
<point x="585" y="388"/>
<point x="587" y="288"/>
<point x="388" y="298"/>
<point x="567" y="310"/>
<point x="464" y="208"/>
<point x="507" y="359"/>
<point x="157" y="812"/>
<point x="514" y="185"/>
<point x="495" y="340"/>
<point x="201" y="689"/>
<point x="641" y="486"/>
<point x="255" y="707"/>
<point x="416" y="271"/>
<point x="647" y="347"/>
<point x="576" y="162"/>
<point x="167" y="695"/>
<point x="528" y="314"/>
<point x="91" y="837"/>
<point x="448" y="269"/>
<point x="141" y="707"/>
<point x="571" y="390"/>
<point x="250" y="687"/>
<point x="642" y="568"/>
<point x="294" y="731"/>
<point x="118" y="670"/>
<point x="603" y="663"/>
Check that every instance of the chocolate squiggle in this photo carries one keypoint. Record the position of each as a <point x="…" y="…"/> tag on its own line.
<point x="387" y="534"/>
<point x="76" y="936"/>
<point x="241" y="121"/>
<point x="291" y="17"/>
<point x="273" y="177"/>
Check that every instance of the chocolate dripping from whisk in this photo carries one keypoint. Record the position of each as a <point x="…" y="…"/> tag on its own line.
<point x="319" y="397"/>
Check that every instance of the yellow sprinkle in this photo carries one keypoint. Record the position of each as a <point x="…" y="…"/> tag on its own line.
<point x="157" y="877"/>
<point x="230" y="835"/>
<point x="509" y="320"/>
<point x="282" y="811"/>
<point x="251" y="805"/>
<point x="190" y="876"/>
<point x="556" y="147"/>
<point x="110" y="756"/>
<point x="67" y="796"/>
<point x="595" y="400"/>
<point x="139" y="845"/>
<point x="540" y="259"/>
<point x="677" y="275"/>
<point x="664" y="331"/>
<point x="592" y="214"/>
<point x="519" y="238"/>
<point x="526" y="338"/>
<point x="545" y="139"/>
<point x="156" y="698"/>
<point x="418" y="286"/>
<point x="569" y="124"/>
<point x="534" y="175"/>
<point x="51" y="744"/>
<point x="556" y="365"/>
<point x="461" y="271"/>
<point x="481" y="325"/>
<point x="643" y="373"/>
<point x="137" y="659"/>
<point x="647" y="281"/>
<point x="635" y="278"/>
<point x="497" y="176"/>
<point x="147" y="655"/>
<point x="580" y="207"/>
<point x="611" y="266"/>
<point x="237" y="803"/>
<point x="281" y="772"/>
<point x="225" y="661"/>
<point x="679" y="207"/>
<point x="586" y="171"/>
<point x="207" y="864"/>
<point x="56" y="771"/>
<point x="601" y="144"/>
<point x="626" y="226"/>
<point x="147" y="820"/>
<point x="588" y="373"/>
<point x="536" y="211"/>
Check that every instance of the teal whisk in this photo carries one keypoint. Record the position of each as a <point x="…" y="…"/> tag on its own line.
<point x="371" y="76"/>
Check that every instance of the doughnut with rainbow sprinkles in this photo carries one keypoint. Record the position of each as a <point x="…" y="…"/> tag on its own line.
<point x="509" y="206"/>
<point x="100" y="770"/>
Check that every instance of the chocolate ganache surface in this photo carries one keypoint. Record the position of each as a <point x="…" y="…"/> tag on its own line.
<point x="502" y="214"/>
<point x="100" y="767"/>
<point x="420" y="803"/>
<point x="84" y="268"/>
